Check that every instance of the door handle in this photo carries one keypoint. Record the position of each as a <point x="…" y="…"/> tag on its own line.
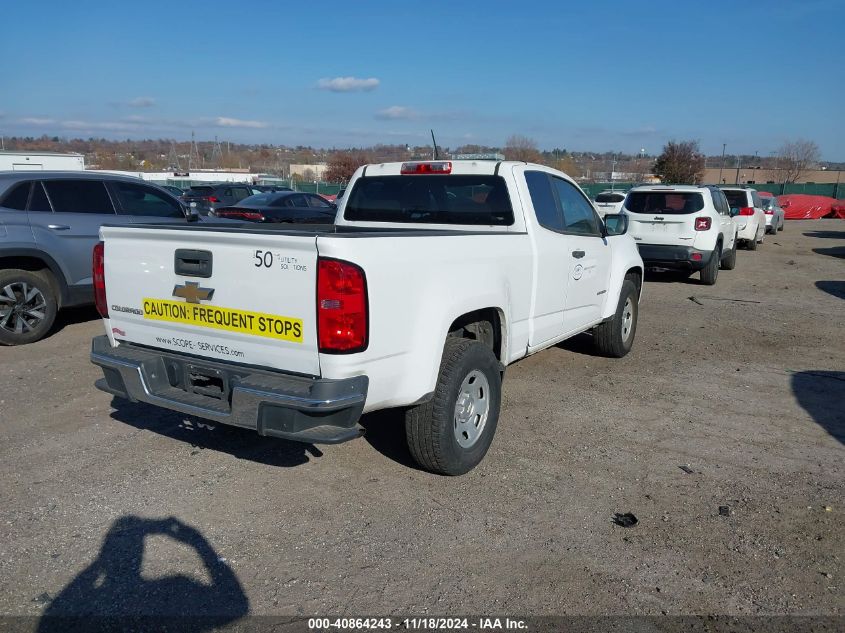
<point x="58" y="227"/>
<point x="578" y="254"/>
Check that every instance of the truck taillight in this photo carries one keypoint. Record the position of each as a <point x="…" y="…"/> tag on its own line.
<point x="99" y="275"/>
<point x="342" y="320"/>
<point x="442" y="167"/>
<point x="702" y="224"/>
<point x="746" y="211"/>
<point x="213" y="199"/>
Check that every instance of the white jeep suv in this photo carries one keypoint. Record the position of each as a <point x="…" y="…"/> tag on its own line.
<point x="683" y="227"/>
<point x="750" y="217"/>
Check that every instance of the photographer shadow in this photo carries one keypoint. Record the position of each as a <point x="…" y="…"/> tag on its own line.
<point x="110" y="594"/>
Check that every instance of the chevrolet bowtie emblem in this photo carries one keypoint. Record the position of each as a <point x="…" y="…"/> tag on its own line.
<point x="192" y="293"/>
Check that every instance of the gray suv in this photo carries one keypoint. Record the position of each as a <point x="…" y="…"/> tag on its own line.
<point x="49" y="224"/>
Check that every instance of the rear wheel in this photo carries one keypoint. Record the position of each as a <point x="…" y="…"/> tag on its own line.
<point x="615" y="337"/>
<point x="711" y="271"/>
<point x="450" y="434"/>
<point x="729" y="262"/>
<point x="780" y="228"/>
<point x="28" y="306"/>
<point x="751" y="244"/>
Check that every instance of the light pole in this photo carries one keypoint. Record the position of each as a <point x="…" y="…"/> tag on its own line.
<point x="722" y="166"/>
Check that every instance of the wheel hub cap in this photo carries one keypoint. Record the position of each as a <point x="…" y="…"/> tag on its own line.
<point x="472" y="408"/>
<point x="627" y="319"/>
<point x="22" y="307"/>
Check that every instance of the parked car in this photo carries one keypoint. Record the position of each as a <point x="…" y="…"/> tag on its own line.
<point x="176" y="191"/>
<point x="285" y="206"/>
<point x="270" y="188"/>
<point x="750" y="219"/>
<point x="775" y="216"/>
<point x="49" y="222"/>
<point x="436" y="277"/>
<point x="683" y="227"/>
<point x="609" y="202"/>
<point x="204" y="199"/>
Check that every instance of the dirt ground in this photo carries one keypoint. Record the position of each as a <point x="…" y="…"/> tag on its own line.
<point x="733" y="397"/>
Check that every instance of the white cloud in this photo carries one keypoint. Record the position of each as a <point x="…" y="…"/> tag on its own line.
<point x="141" y="102"/>
<point x="36" y="121"/>
<point x="223" y="121"/>
<point x="394" y="113"/>
<point x="348" y="84"/>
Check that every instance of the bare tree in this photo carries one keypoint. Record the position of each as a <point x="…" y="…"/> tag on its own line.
<point x="522" y="148"/>
<point x="797" y="157"/>
<point x="680" y="162"/>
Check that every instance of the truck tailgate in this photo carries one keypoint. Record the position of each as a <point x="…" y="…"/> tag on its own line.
<point x="253" y="302"/>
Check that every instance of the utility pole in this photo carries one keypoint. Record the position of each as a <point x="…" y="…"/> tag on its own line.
<point x="738" y="167"/>
<point x="722" y="166"/>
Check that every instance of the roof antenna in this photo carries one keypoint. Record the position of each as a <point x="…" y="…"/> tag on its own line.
<point x="435" y="145"/>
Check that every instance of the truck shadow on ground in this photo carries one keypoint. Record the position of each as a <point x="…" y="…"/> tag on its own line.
<point x="833" y="251"/>
<point x="385" y="432"/>
<point x="111" y="594"/>
<point x="822" y="394"/>
<point x="206" y="435"/>
<point x="835" y="288"/>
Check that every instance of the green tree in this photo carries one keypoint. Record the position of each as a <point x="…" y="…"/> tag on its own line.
<point x="680" y="162"/>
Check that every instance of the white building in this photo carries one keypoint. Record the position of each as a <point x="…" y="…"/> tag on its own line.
<point x="317" y="170"/>
<point x="40" y="161"/>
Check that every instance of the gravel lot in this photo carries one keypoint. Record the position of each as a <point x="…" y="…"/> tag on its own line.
<point x="734" y="396"/>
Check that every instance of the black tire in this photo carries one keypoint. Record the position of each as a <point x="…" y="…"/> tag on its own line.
<point x="710" y="272"/>
<point x="608" y="336"/>
<point x="729" y="262"/>
<point x="751" y="244"/>
<point x="22" y="321"/>
<point x="782" y="224"/>
<point x="431" y="427"/>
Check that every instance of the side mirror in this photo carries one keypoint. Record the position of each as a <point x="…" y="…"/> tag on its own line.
<point x="734" y="211"/>
<point x="615" y="224"/>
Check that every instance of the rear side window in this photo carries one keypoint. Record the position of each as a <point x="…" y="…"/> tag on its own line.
<point x="719" y="202"/>
<point x="318" y="202"/>
<point x="17" y="197"/>
<point x="543" y="200"/>
<point x="140" y="200"/>
<point x="453" y="199"/>
<point x="39" y="200"/>
<point x="610" y="197"/>
<point x="240" y="193"/>
<point x="79" y="196"/>
<point x="578" y="214"/>
<point x="664" y="202"/>
<point x="736" y="198"/>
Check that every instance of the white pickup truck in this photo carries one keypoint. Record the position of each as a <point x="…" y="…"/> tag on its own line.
<point x="435" y="276"/>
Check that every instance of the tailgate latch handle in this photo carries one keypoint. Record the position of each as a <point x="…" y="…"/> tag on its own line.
<point x="192" y="263"/>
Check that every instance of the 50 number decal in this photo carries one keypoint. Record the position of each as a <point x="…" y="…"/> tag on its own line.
<point x="263" y="259"/>
<point x="266" y="259"/>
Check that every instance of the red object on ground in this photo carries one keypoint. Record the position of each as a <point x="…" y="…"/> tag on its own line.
<point x="800" y="206"/>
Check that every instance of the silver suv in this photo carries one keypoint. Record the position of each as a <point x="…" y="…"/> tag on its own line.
<point x="49" y="224"/>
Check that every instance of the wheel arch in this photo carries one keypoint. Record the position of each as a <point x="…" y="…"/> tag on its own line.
<point x="34" y="260"/>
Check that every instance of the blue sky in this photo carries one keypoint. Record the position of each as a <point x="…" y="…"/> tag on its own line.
<point x="588" y="75"/>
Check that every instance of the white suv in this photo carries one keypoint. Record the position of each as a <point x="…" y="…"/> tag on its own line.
<point x="684" y="227"/>
<point x="609" y="202"/>
<point x="750" y="217"/>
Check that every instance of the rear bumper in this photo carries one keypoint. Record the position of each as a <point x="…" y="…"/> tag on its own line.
<point x="670" y="256"/>
<point x="274" y="404"/>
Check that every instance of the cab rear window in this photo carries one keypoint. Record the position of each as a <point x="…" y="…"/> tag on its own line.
<point x="610" y="197"/>
<point x="435" y="199"/>
<point x="664" y="202"/>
